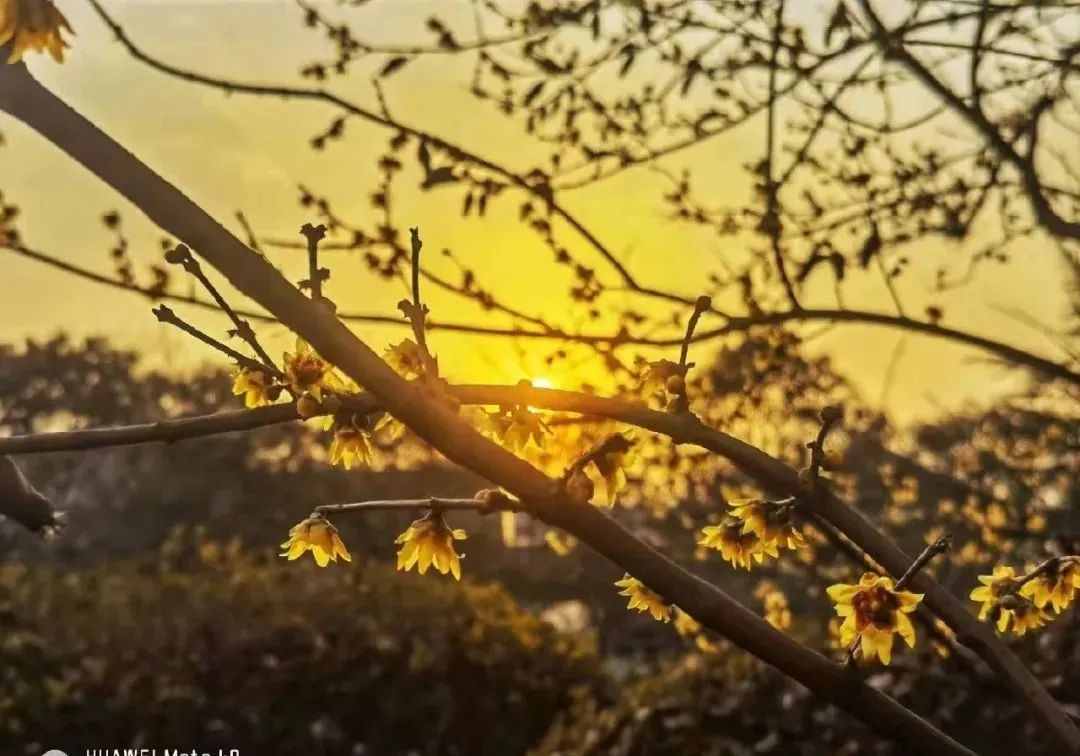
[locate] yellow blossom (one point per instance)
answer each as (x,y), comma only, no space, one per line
(1023,614)
(430,541)
(777,612)
(772,522)
(406,358)
(32,25)
(642,599)
(350,445)
(515,427)
(995,587)
(257,387)
(737,545)
(307,372)
(690,628)
(317,535)
(607,471)
(1057,586)
(874,612)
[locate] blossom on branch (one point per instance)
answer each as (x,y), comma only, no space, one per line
(35,25)
(873,613)
(642,599)
(742,547)
(317,535)
(406,358)
(350,445)
(307,372)
(257,387)
(772,521)
(1057,586)
(430,541)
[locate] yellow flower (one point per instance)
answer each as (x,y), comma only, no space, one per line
(642,599)
(736,544)
(317,535)
(1023,613)
(772,522)
(1057,587)
(307,372)
(874,612)
(994,588)
(515,427)
(350,445)
(406,358)
(690,628)
(32,25)
(777,612)
(607,471)
(257,387)
(430,541)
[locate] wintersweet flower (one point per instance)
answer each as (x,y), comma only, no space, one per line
(256,386)
(743,548)
(772,521)
(1056,586)
(317,535)
(35,25)
(994,588)
(642,599)
(306,372)
(350,445)
(430,541)
(1022,612)
(874,613)
(777,612)
(406,358)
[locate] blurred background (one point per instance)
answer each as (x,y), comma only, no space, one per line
(580,171)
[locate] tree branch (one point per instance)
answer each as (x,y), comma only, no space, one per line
(440,426)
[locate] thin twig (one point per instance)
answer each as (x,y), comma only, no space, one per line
(506,504)
(165,315)
(181,255)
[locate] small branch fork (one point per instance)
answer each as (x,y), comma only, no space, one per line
(830,417)
(316,275)
(181,255)
(702,305)
(416,311)
(165,314)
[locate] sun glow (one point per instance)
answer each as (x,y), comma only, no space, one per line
(542,383)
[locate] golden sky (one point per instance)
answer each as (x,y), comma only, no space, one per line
(237,153)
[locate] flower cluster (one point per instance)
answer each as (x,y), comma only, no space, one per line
(772,521)
(32,25)
(873,614)
(1058,586)
(736,544)
(1019,601)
